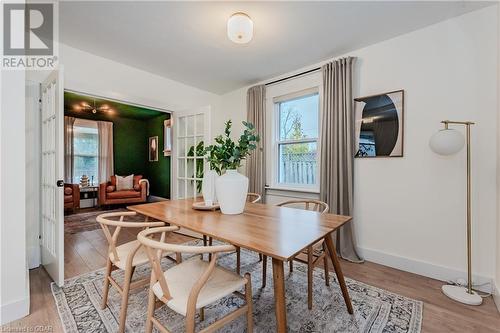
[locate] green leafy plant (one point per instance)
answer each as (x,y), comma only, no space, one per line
(226,154)
(200,151)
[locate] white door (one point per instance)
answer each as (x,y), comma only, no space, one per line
(52,187)
(191,131)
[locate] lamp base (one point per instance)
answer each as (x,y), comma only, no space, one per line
(460,294)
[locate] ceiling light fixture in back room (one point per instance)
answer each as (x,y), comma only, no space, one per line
(240,28)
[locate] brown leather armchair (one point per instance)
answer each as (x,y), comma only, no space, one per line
(108,195)
(71,196)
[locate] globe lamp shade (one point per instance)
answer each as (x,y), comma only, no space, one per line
(447,142)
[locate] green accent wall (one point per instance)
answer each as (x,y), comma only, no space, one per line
(130,144)
(159,170)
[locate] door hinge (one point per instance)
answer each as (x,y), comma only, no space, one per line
(40,239)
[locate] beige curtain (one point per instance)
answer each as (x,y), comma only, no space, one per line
(69,122)
(256,163)
(337,149)
(106,167)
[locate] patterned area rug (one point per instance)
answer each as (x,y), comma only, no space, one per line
(375,310)
(86,221)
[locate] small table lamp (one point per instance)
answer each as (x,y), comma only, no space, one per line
(448,142)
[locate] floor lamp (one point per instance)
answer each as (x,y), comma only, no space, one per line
(448,142)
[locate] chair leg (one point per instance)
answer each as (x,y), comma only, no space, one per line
(151,311)
(106,284)
(210,242)
(260,256)
(264,271)
(248,298)
(126,288)
(290,265)
(202,314)
(310,269)
(204,244)
(238,260)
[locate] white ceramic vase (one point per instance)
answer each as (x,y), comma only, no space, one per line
(208,187)
(231,189)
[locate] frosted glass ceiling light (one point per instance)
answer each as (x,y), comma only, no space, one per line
(240,28)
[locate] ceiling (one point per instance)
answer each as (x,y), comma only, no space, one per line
(116,109)
(187,42)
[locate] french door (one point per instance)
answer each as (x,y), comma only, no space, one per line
(52,184)
(191,134)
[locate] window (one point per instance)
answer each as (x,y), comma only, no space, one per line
(296,140)
(85,151)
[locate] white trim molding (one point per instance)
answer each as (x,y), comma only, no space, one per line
(442,273)
(496,295)
(14,310)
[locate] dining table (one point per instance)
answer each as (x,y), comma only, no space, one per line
(277,232)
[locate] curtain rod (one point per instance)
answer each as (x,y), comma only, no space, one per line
(293,76)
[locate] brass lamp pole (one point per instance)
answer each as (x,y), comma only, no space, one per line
(448,142)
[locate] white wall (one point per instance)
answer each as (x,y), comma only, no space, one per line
(496,290)
(33,173)
(410,211)
(91,74)
(14,281)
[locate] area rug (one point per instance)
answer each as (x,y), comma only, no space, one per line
(86,221)
(375,310)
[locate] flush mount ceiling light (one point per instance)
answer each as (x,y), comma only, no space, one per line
(240,28)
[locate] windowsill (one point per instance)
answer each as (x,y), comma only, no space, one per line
(292,189)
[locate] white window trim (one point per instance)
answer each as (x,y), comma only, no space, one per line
(295,88)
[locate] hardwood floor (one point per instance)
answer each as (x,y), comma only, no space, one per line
(86,251)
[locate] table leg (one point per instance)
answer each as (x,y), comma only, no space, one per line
(279,295)
(338,271)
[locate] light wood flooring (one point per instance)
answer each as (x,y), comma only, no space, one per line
(86,251)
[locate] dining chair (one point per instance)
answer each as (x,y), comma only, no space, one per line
(315,253)
(125,257)
(192,284)
(252,198)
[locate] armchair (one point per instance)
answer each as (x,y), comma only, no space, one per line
(108,195)
(71,196)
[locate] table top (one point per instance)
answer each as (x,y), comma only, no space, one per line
(278,232)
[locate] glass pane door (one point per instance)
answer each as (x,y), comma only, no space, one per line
(191,133)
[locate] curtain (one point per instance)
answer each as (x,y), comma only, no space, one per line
(256,164)
(105,164)
(337,150)
(69,122)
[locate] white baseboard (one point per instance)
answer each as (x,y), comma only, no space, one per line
(14,310)
(496,295)
(441,273)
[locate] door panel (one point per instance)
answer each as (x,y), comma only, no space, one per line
(52,205)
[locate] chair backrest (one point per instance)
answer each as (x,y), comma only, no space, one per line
(154,249)
(253,197)
(309,204)
(105,222)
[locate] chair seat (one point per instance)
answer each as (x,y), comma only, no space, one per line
(123,250)
(68,198)
(123,194)
(182,277)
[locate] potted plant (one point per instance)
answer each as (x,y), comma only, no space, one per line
(225,156)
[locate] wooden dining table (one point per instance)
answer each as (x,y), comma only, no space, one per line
(278,232)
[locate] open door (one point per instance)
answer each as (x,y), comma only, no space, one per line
(52,183)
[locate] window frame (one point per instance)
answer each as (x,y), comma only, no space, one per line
(276,142)
(85,123)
